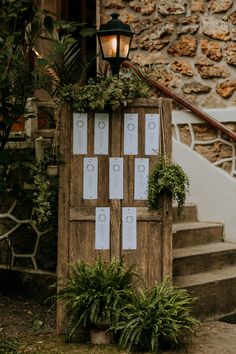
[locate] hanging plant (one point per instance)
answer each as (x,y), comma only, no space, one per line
(167,177)
(45,195)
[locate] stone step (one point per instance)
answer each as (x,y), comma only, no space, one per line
(215,291)
(195,233)
(203,258)
(189,213)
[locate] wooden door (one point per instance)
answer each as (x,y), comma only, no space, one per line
(153,254)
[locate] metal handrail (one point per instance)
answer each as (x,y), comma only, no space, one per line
(157,85)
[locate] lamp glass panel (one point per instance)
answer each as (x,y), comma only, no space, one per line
(124,46)
(109,46)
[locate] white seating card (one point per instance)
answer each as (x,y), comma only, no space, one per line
(152,128)
(80,128)
(116,178)
(131,134)
(141,179)
(129,229)
(102,229)
(90,178)
(101,133)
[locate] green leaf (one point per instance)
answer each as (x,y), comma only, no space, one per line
(88,32)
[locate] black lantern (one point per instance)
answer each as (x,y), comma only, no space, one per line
(115,40)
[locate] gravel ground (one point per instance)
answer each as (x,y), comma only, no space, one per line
(31,327)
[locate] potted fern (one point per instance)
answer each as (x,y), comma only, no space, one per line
(167,177)
(94,296)
(156,319)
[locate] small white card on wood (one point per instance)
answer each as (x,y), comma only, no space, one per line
(116,178)
(141,179)
(131,134)
(101,133)
(102,229)
(129,229)
(80,129)
(152,129)
(90,178)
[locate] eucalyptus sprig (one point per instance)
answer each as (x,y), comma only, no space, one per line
(167,177)
(107,93)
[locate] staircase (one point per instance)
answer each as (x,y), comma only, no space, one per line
(204,264)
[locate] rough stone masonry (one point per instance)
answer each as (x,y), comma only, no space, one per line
(188,45)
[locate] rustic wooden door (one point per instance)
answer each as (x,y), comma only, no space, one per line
(76,239)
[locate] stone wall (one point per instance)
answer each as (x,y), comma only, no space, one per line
(23,245)
(209,143)
(188,45)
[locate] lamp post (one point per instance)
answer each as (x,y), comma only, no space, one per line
(115,40)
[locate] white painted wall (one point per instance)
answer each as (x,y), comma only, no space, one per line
(212,189)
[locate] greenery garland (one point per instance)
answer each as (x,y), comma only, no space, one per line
(107,93)
(170,178)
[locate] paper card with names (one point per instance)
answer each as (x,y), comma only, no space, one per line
(129,229)
(131,134)
(152,129)
(101,133)
(116,183)
(80,130)
(90,178)
(141,179)
(102,229)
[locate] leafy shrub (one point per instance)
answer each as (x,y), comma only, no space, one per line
(95,294)
(107,93)
(167,177)
(156,317)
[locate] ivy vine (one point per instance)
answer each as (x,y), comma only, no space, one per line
(167,177)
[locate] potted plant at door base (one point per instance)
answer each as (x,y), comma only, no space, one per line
(157,319)
(94,296)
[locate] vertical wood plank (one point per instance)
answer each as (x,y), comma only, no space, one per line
(92,202)
(115,229)
(165,111)
(103,181)
(154,270)
(76,180)
(115,151)
(63,210)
